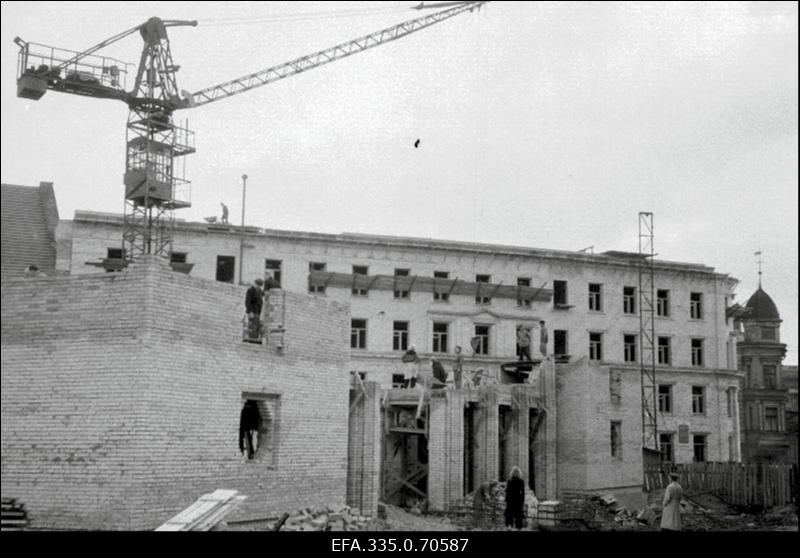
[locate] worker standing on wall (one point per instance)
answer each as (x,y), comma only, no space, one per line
(524,343)
(253,303)
(543,338)
(410,367)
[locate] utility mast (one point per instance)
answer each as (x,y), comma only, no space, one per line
(647,352)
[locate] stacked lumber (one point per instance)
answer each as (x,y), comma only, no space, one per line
(205,513)
(14,515)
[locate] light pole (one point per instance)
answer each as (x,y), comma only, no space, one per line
(241,239)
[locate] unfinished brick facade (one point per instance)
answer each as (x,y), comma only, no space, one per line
(121,396)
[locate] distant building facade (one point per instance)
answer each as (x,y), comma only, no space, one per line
(769,418)
(437,295)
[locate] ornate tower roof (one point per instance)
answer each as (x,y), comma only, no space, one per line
(762,308)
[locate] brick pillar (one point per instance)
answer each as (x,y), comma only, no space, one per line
(363,449)
(548,431)
(487,438)
(446,450)
(518,454)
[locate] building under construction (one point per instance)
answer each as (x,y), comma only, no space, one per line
(122,383)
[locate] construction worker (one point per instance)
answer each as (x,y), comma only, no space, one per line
(411,367)
(543,338)
(253,303)
(524,343)
(224,219)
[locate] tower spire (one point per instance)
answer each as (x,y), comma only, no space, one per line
(759,268)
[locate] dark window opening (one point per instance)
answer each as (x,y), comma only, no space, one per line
(595,297)
(437,294)
(226,266)
(524,282)
(481,298)
(560,342)
(177,257)
(629,348)
(560,293)
(399,292)
(440,330)
(629,300)
(316,287)
(273,267)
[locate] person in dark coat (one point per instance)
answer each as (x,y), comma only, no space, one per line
(253,303)
(515,499)
(411,364)
(249,423)
(439,372)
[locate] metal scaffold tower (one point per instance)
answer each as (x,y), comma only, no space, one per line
(647,352)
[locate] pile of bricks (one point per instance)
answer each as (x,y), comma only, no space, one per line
(323,518)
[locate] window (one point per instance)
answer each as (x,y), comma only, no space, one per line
(770,376)
(664,398)
(664,355)
(628,300)
(480,343)
(595,346)
(559,293)
(437,293)
(315,286)
(482,298)
(615,386)
(560,342)
(730,393)
(768,333)
(225,268)
(595,297)
(398,380)
(616,439)
(771,419)
(115,253)
(259,420)
(697,352)
(629,348)
(177,257)
(696,306)
(665,446)
(440,337)
(273,267)
(699,443)
(524,282)
(698,400)
(359,270)
(662,303)
(358,334)
(400,336)
(399,292)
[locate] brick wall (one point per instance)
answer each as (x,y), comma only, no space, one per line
(121,396)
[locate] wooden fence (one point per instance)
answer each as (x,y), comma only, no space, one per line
(742,484)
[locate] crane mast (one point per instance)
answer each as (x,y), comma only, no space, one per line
(154,187)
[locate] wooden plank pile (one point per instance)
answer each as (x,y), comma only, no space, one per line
(205,513)
(14,515)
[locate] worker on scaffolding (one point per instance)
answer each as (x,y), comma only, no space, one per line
(411,364)
(253,303)
(524,343)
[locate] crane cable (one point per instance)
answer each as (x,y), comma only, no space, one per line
(299,16)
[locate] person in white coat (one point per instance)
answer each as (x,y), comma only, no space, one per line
(671,514)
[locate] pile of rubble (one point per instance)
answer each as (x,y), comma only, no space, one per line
(594,512)
(321,518)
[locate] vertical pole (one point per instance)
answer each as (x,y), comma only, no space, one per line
(241,238)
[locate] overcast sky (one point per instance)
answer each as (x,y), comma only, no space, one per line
(548,125)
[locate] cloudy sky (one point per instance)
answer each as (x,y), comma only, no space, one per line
(542,124)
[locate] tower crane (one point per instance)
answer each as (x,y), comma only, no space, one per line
(154,185)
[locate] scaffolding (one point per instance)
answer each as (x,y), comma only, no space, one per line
(647,352)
